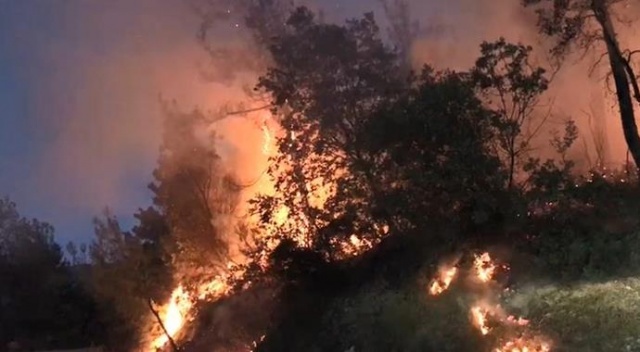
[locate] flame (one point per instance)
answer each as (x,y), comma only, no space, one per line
(180,305)
(479,318)
(484,267)
(444,279)
(524,345)
(174,317)
(517,321)
(254,344)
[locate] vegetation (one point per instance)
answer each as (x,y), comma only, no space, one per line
(383,171)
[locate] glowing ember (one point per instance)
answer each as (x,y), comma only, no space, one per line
(254,344)
(479,318)
(484,267)
(214,289)
(524,345)
(442,282)
(517,321)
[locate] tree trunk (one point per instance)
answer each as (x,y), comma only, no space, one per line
(621,79)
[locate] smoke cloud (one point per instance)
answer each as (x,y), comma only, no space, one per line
(96,71)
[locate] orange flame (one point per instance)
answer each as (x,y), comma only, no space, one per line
(179,306)
(442,282)
(524,345)
(517,321)
(174,316)
(484,267)
(479,318)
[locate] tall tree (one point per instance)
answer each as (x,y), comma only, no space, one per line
(511,86)
(325,82)
(589,24)
(435,156)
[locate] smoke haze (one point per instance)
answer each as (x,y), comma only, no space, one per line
(94,72)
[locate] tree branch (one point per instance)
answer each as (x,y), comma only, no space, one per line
(174,346)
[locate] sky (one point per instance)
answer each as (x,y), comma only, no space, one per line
(81,83)
(80,89)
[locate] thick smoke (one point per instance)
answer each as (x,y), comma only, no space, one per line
(96,81)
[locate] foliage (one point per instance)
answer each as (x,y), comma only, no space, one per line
(42,301)
(325,82)
(195,196)
(512,87)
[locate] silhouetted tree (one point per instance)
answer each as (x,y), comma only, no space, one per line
(42,300)
(587,25)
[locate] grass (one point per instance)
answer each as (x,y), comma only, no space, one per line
(585,317)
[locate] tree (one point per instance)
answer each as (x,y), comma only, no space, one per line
(325,82)
(511,86)
(403,30)
(42,301)
(118,281)
(585,24)
(435,155)
(196,196)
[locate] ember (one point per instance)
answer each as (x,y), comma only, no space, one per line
(483,269)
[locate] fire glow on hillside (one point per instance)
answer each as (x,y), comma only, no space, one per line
(484,315)
(179,309)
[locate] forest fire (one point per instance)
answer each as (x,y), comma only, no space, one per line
(175,313)
(484,267)
(483,315)
(524,345)
(444,279)
(479,317)
(180,305)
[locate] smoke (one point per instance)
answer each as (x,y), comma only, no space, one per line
(450,39)
(96,74)
(96,71)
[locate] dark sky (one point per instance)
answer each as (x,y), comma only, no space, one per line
(79,111)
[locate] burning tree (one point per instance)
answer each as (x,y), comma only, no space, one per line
(325,82)
(197,197)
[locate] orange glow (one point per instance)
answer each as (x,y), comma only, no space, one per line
(180,305)
(174,315)
(479,319)
(268,138)
(524,345)
(517,321)
(442,282)
(515,336)
(484,267)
